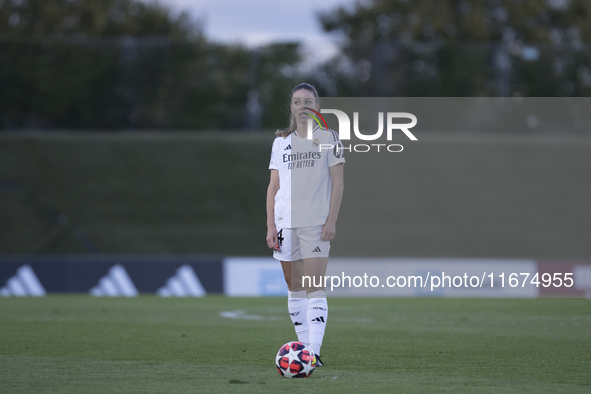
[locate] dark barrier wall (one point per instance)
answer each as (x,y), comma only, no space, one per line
(471,196)
(187,275)
(125,193)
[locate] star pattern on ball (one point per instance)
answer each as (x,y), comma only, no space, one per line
(292,355)
(307,368)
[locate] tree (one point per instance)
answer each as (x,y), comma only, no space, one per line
(125,64)
(91,18)
(464,47)
(75,63)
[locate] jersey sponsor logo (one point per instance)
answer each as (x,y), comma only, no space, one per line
(301,159)
(116,283)
(288,147)
(301,156)
(23,283)
(184,283)
(300,164)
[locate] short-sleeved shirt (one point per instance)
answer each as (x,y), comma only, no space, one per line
(303,198)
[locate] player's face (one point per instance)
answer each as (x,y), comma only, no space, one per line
(300,99)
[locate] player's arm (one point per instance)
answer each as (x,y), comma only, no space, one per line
(336,196)
(272,241)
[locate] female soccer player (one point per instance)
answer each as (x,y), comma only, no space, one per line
(303,202)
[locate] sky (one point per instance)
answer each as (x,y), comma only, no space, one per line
(257,22)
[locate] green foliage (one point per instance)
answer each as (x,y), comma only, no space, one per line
(132,65)
(531,21)
(461,48)
(126,64)
(90,18)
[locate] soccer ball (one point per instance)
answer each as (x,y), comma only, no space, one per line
(295,360)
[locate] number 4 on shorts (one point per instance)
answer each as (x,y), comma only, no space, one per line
(280,237)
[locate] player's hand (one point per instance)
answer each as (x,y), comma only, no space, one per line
(272,239)
(328,231)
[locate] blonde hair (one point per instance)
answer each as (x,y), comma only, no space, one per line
(292,120)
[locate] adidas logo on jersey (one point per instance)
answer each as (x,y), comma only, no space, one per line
(116,283)
(317,250)
(23,283)
(184,283)
(319,319)
(288,147)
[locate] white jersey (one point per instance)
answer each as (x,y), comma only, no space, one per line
(303,198)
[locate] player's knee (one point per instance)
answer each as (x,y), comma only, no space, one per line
(316,293)
(315,282)
(288,281)
(298,294)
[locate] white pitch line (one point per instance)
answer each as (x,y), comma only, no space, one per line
(241,314)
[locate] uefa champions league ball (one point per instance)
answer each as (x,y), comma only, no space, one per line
(295,360)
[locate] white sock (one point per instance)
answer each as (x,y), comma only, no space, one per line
(297,303)
(317,317)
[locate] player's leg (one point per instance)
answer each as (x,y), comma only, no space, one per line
(286,267)
(297,302)
(315,268)
(315,253)
(284,254)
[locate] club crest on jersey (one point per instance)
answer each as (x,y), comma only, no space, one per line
(315,143)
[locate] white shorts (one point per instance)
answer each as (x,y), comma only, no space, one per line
(301,243)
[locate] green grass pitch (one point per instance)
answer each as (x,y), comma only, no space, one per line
(80,344)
